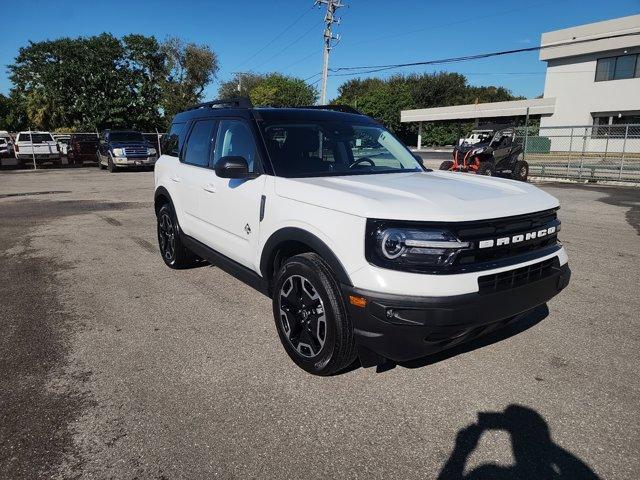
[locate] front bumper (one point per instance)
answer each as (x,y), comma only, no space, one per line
(402,328)
(134,161)
(38,156)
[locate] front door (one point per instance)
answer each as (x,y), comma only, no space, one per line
(190,174)
(231,207)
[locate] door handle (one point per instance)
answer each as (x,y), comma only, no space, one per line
(175,179)
(209,188)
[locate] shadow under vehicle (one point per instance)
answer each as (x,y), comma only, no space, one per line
(490,152)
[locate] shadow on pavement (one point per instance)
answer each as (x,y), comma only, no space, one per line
(535,454)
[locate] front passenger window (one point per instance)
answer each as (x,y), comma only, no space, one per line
(235,139)
(197,148)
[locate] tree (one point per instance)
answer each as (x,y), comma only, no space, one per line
(91,83)
(190,69)
(272,89)
(385,98)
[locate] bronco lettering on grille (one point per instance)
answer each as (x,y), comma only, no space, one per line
(521,237)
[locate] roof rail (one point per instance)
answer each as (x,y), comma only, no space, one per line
(336,108)
(239,102)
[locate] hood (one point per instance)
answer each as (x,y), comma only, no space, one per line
(422,196)
(465,147)
(133,143)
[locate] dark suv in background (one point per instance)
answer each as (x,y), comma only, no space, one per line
(82,147)
(125,148)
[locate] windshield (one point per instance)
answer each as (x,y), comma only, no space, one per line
(126,137)
(35,137)
(318,148)
(85,137)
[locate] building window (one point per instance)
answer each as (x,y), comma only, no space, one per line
(617,68)
(615,126)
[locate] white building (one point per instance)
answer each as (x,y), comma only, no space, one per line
(592,78)
(593,82)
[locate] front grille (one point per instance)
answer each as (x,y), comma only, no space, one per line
(135,151)
(476,231)
(520,276)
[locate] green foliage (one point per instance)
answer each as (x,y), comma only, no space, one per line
(189,69)
(273,89)
(91,83)
(384,99)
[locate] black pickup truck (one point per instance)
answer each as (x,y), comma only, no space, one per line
(82,147)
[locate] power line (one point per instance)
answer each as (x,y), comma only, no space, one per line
(307,32)
(378,68)
(291,25)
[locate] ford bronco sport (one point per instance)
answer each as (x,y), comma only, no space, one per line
(364,253)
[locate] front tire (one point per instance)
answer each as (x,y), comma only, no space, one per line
(173,251)
(521,171)
(446,165)
(310,316)
(110,166)
(100,166)
(486,168)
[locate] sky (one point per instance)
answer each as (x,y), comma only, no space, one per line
(286,35)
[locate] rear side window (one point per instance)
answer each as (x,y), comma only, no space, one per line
(35,137)
(172,141)
(196,151)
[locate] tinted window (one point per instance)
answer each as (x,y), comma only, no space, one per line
(172,142)
(324,148)
(625,67)
(35,137)
(197,148)
(125,137)
(617,68)
(235,139)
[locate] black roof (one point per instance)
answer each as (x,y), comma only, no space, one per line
(239,108)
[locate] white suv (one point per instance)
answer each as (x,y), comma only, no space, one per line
(365,253)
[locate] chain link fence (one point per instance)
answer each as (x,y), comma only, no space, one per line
(591,152)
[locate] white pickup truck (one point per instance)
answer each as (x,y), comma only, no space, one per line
(37,146)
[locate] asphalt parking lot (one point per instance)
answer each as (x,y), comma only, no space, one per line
(114,366)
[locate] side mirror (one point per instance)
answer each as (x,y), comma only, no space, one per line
(418,158)
(233,167)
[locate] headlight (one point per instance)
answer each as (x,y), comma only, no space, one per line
(151,151)
(118,152)
(478,150)
(416,247)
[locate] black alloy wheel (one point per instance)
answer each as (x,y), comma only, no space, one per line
(310,315)
(166,237)
(173,251)
(302,316)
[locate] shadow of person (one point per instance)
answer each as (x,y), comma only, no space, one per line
(535,454)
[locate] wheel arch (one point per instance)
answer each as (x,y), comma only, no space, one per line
(290,241)
(160,197)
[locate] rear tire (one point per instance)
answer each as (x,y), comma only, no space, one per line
(310,316)
(446,165)
(173,251)
(486,168)
(521,171)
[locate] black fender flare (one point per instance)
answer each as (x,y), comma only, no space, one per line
(302,236)
(161,192)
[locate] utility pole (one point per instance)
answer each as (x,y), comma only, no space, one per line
(328,38)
